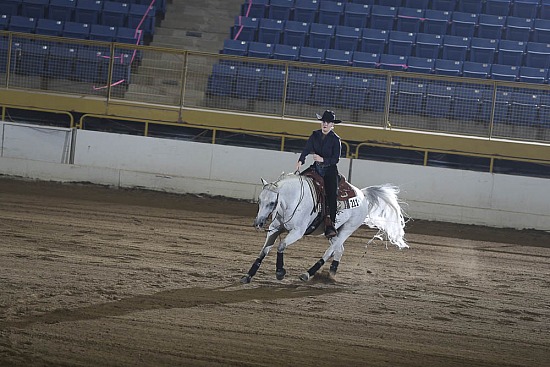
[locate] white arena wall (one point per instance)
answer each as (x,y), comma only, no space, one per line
(431,193)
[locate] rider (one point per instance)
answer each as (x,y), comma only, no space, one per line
(326,148)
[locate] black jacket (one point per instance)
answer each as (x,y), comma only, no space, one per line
(329,148)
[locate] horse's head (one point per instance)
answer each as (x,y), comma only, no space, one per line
(267,202)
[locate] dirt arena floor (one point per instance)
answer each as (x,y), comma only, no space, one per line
(91,276)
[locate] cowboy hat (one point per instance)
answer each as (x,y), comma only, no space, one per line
(328,116)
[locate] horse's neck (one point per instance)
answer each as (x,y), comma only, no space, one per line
(293,190)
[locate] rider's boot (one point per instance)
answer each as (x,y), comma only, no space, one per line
(330,230)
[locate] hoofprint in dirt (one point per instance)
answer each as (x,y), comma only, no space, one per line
(95,276)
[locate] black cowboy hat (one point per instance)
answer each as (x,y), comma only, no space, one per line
(328,116)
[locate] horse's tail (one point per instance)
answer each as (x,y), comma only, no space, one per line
(385,213)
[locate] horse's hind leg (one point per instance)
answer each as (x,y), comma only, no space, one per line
(269,241)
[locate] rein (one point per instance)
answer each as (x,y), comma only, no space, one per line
(297,205)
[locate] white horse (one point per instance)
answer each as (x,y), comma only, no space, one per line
(291,203)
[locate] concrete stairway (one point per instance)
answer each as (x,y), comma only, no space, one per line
(195,25)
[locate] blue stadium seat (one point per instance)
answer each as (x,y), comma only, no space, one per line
(382,17)
(448,67)
(356,15)
(365,59)
(4,22)
(115,14)
(502,106)
(127,35)
(472,69)
(463,24)
(498,7)
(320,35)
(76,30)
(439,99)
(428,45)
(305,10)
(483,50)
(247,85)
(537,55)
(327,90)
(61,61)
(396,3)
(235,47)
(245,29)
(490,26)
(469,6)
(420,65)
(33,58)
(312,55)
(374,40)
(541,30)
(533,75)
(393,62)
(330,12)
(525,8)
(222,80)
(504,72)
(338,57)
(34,8)
(401,43)
(49,27)
(409,20)
(544,11)
(141,16)
(260,49)
(295,33)
(300,86)
(523,107)
(420,4)
(410,97)
(511,52)
(518,29)
(377,93)
(88,11)
(446,5)
(544,110)
(270,30)
(286,52)
(355,89)
(280,9)
(22,24)
(272,85)
(254,8)
(100,32)
(10,7)
(61,10)
(347,38)
(121,68)
(468,102)
(455,48)
(88,66)
(436,21)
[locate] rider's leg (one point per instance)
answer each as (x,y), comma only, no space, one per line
(331,187)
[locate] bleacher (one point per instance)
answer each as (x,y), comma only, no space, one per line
(477,34)
(129,22)
(501,40)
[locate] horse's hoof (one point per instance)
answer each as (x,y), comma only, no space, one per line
(332,273)
(280,274)
(304,277)
(246,279)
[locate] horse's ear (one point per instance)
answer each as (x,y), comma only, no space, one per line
(264,182)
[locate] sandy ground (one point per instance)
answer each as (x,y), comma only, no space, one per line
(91,276)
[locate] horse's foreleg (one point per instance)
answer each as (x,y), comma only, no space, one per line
(269,241)
(292,236)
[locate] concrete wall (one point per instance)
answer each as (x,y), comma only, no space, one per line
(186,167)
